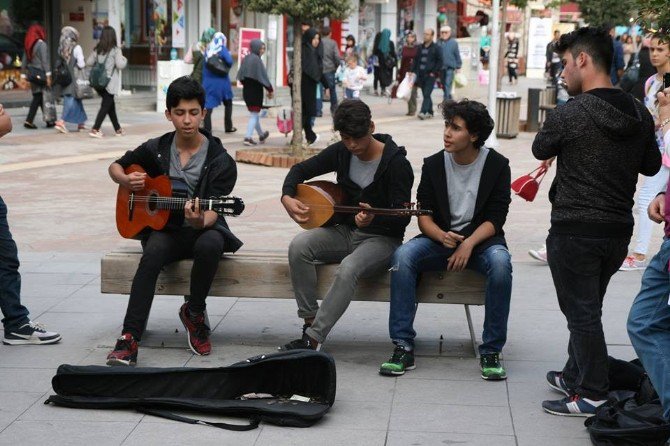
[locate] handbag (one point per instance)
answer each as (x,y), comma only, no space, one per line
(217,66)
(526,186)
(61,73)
(82,85)
(631,75)
(405,88)
(37,76)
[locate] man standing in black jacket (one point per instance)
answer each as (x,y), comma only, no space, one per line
(603,138)
(427,67)
(198,161)
(373,172)
(467,186)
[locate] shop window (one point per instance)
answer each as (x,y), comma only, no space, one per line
(15,18)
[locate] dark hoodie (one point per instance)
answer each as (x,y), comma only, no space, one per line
(391,187)
(217,177)
(601,149)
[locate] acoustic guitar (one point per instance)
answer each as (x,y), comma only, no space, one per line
(152,206)
(325,198)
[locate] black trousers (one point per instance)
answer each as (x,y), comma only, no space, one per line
(310,136)
(227,118)
(34,105)
(107,107)
(582,268)
(162,247)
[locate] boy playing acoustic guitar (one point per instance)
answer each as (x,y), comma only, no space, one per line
(373,172)
(197,160)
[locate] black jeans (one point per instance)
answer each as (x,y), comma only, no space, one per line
(107,107)
(227,118)
(310,136)
(581,268)
(34,105)
(163,247)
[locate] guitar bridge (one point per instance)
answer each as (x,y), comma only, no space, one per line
(131,206)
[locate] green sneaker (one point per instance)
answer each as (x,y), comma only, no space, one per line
(492,370)
(400,361)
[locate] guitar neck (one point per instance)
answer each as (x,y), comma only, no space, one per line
(170,203)
(378,211)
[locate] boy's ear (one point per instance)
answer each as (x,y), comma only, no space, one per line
(168,115)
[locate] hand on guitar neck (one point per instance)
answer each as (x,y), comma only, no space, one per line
(363,218)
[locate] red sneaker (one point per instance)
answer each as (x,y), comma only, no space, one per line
(125,351)
(198,331)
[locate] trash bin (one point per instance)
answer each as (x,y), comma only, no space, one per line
(508,109)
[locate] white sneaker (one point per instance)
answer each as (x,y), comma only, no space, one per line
(631,263)
(540,254)
(31,333)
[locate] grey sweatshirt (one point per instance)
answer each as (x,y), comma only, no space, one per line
(601,149)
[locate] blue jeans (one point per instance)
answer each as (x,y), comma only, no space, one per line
(427,86)
(351,94)
(254,123)
(332,87)
(649,324)
(423,254)
(447,81)
(15,314)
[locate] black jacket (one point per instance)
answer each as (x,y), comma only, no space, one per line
(433,63)
(217,178)
(600,151)
(493,196)
(391,187)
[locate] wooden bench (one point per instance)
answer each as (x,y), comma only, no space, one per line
(266,275)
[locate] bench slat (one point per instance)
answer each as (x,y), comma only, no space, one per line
(267,276)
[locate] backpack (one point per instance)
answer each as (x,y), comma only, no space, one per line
(61,73)
(294,388)
(98,76)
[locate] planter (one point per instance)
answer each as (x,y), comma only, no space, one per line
(272,156)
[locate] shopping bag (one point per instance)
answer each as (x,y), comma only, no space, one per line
(285,121)
(405,88)
(82,85)
(48,105)
(460,80)
(526,186)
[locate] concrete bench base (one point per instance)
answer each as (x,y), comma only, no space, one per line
(266,275)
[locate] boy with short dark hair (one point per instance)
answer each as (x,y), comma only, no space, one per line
(373,172)
(467,186)
(200,163)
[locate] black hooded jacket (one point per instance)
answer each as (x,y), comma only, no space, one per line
(391,187)
(217,178)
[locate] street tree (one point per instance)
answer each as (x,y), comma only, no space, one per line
(300,11)
(654,15)
(608,12)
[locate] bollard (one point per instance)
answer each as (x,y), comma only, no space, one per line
(532,118)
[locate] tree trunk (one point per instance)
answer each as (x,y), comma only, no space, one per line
(296,140)
(502,60)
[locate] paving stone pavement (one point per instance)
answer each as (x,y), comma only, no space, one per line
(61,212)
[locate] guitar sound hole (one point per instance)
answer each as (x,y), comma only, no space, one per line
(152,204)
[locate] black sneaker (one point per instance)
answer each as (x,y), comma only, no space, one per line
(492,369)
(401,360)
(264,136)
(556,382)
(32,333)
(572,406)
(125,351)
(304,343)
(249,142)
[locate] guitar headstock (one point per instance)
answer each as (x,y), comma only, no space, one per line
(232,206)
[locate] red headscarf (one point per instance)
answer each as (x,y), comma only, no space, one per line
(35,33)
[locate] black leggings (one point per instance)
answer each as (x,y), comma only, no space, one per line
(107,107)
(34,105)
(163,247)
(227,118)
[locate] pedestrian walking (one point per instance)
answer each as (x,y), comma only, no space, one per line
(312,73)
(451,59)
(110,55)
(354,78)
(384,51)
(427,67)
(331,62)
(38,72)
(512,57)
(196,54)
(602,140)
(254,79)
(72,55)
(407,56)
(217,86)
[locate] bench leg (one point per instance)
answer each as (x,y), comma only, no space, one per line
(473,338)
(186,298)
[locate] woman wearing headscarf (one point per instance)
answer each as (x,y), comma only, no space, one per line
(195,54)
(37,56)
(386,57)
(409,51)
(72,54)
(254,78)
(111,55)
(217,87)
(312,73)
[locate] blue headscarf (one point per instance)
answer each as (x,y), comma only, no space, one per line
(385,41)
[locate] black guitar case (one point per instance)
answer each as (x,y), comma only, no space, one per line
(294,388)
